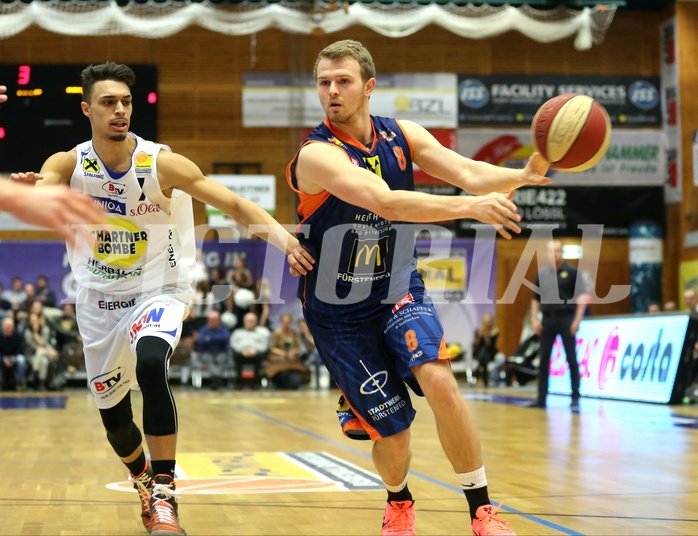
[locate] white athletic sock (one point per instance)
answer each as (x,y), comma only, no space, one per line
(473,479)
(398,488)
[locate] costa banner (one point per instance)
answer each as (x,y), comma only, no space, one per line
(630,358)
(512,100)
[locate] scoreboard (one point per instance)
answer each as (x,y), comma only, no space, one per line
(43,116)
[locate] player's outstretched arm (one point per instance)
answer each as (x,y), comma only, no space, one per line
(176,171)
(473,176)
(52,207)
(57,169)
(324,167)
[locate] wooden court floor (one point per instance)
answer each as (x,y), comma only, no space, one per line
(268,463)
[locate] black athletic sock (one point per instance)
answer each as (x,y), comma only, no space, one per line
(402,495)
(163,467)
(137,466)
(476,498)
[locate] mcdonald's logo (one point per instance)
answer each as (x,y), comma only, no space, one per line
(368,257)
(368,250)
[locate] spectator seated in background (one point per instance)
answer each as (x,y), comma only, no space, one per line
(670,306)
(25,306)
(212,344)
(690,300)
(5,305)
(522,366)
(13,364)
(43,293)
(654,308)
(250,344)
(284,367)
(15,295)
(239,275)
(310,356)
(261,306)
(40,351)
(68,340)
(221,290)
(485,347)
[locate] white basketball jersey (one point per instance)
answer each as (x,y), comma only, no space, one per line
(148,244)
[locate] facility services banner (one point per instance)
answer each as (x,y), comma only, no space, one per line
(512,100)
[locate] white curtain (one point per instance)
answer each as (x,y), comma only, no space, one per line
(161,19)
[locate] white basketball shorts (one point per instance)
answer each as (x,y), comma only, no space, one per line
(111,327)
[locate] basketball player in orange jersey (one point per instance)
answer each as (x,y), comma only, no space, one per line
(54,208)
(135,275)
(365,302)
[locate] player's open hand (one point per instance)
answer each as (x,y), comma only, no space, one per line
(30,178)
(301,261)
(535,170)
(57,208)
(498,210)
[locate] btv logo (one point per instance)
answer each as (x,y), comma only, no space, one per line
(105,382)
(115,188)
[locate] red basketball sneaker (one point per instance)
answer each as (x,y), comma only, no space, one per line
(398,519)
(163,508)
(143,484)
(487,523)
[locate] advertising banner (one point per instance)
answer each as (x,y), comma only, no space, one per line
(448,267)
(671,112)
(277,99)
(628,358)
(513,100)
(634,157)
(260,189)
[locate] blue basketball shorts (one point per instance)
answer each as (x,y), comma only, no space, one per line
(370,360)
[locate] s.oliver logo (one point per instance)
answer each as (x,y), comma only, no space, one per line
(106,382)
(144,208)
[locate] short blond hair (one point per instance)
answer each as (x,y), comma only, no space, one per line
(348,48)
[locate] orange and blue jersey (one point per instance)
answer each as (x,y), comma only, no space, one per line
(360,255)
(365,302)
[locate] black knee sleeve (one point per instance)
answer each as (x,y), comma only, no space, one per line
(159,410)
(122,433)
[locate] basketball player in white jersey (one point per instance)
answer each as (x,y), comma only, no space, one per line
(134,275)
(53,208)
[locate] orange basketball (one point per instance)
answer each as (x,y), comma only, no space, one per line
(571,131)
